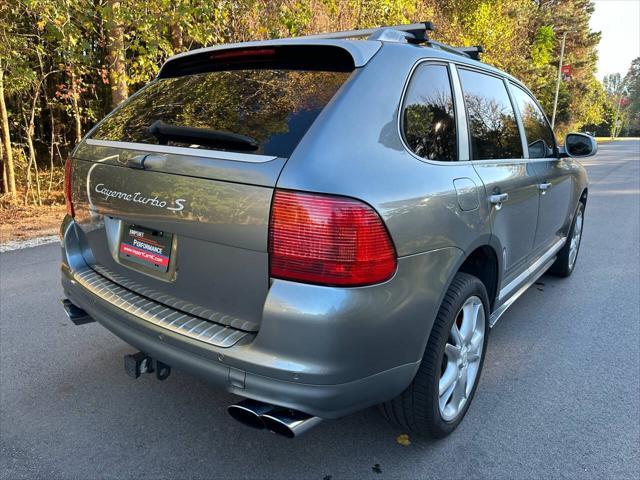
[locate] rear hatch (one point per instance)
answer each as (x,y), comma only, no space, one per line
(172,191)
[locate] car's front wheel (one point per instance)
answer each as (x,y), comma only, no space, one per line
(446,381)
(566,260)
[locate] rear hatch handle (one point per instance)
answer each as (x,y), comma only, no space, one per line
(140,161)
(137,161)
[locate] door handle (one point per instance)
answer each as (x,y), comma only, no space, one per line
(544,187)
(497,199)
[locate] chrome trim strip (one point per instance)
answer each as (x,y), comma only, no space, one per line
(522,278)
(191,152)
(495,316)
(157,313)
(174,303)
(176,319)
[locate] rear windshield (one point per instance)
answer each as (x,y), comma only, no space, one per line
(270,109)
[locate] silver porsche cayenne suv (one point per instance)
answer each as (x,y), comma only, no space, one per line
(321,224)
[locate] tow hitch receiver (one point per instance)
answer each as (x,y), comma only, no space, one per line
(138,363)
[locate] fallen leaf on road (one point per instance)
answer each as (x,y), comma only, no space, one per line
(403,440)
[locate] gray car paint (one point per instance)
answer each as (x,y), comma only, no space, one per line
(324,350)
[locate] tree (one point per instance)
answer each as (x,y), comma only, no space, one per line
(632,82)
(66,63)
(116,53)
(8,168)
(614,86)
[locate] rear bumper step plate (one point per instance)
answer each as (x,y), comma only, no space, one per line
(158,313)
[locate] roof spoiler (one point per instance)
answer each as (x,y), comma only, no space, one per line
(415,33)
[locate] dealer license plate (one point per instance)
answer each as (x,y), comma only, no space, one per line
(146,247)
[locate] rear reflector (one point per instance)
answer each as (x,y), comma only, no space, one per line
(67,187)
(328,240)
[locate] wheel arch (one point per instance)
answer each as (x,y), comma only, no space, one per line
(483,263)
(483,260)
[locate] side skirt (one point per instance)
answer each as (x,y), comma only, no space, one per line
(525,280)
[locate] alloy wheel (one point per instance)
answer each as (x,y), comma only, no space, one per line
(462,355)
(575,239)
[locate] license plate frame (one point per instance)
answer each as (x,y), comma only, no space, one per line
(145,247)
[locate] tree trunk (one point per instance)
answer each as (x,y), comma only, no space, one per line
(4,188)
(76,109)
(29,131)
(176,37)
(52,146)
(116,55)
(6,142)
(30,127)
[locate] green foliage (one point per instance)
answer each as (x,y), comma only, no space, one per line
(542,48)
(55,53)
(295,18)
(632,82)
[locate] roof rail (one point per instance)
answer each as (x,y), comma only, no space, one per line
(473,52)
(417,30)
(470,52)
(415,33)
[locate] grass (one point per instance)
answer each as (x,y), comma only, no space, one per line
(601,140)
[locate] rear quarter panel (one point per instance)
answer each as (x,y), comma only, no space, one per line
(355,150)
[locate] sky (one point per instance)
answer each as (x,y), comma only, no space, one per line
(619,22)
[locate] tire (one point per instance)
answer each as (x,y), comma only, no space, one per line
(565,262)
(418,408)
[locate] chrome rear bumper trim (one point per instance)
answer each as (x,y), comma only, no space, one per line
(176,303)
(158,314)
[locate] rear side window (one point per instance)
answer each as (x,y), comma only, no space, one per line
(540,140)
(493,129)
(428,122)
(259,110)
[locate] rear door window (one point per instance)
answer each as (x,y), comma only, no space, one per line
(257,110)
(541,142)
(493,129)
(428,122)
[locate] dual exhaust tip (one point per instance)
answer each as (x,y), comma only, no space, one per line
(279,420)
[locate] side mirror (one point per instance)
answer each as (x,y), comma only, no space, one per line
(537,149)
(579,145)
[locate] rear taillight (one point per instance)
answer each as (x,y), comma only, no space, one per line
(67,187)
(328,240)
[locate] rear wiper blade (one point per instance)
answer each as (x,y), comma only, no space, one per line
(165,132)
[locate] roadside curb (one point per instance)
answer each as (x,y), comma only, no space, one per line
(32,242)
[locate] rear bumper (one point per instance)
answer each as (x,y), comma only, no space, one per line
(327,401)
(319,350)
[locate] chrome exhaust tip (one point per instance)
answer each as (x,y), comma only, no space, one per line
(288,423)
(77,315)
(248,412)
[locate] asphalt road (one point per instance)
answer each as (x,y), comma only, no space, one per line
(559,396)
